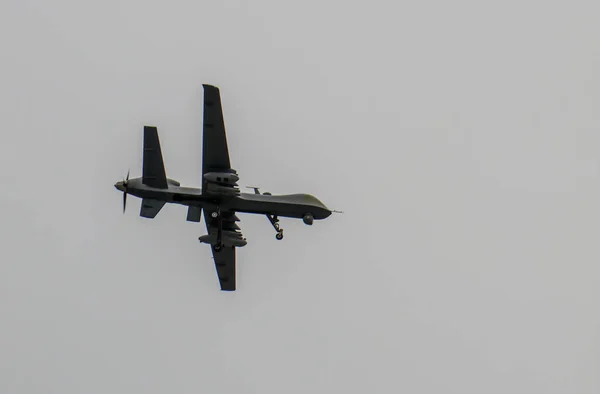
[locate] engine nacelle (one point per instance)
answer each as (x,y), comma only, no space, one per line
(227,178)
(308,219)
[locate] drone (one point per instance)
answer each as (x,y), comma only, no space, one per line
(219,197)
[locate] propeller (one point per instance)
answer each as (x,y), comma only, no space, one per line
(125,181)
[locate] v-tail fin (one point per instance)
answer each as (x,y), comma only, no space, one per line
(153,169)
(150,208)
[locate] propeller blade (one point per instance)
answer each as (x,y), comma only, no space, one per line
(127,176)
(124,200)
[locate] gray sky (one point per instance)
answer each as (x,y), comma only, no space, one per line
(460,138)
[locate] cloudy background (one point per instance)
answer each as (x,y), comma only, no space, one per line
(460,138)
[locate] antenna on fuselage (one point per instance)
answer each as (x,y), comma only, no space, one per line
(255,189)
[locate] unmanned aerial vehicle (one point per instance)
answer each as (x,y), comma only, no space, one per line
(220,197)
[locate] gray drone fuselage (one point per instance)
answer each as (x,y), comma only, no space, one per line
(287,205)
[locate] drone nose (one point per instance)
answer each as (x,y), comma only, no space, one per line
(119,186)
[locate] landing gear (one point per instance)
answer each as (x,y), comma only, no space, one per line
(275,223)
(215,214)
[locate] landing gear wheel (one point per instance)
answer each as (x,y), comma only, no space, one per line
(214,214)
(279,235)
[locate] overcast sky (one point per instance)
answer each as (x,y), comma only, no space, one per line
(460,138)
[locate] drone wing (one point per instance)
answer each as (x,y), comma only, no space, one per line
(225,257)
(215,154)
(225,265)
